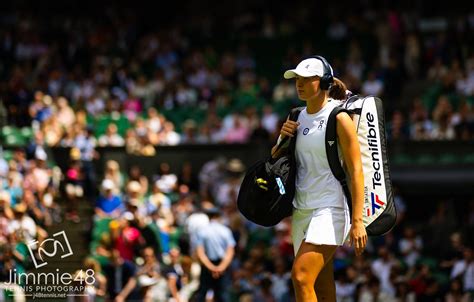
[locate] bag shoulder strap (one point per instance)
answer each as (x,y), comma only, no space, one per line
(332,152)
(295,113)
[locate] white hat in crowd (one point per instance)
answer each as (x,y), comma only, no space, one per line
(108,184)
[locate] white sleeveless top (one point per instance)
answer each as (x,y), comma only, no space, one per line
(316,186)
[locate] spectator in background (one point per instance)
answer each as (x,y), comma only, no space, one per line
(463,269)
(148,278)
(421,126)
(135,174)
(118,273)
(174,274)
(374,292)
(188,177)
(111,137)
(125,237)
(14,188)
(154,121)
(238,132)
(166,180)
(410,246)
(270,119)
(108,203)
(437,71)
(86,143)
(456,293)
(211,176)
(161,203)
(463,121)
(24,224)
(229,189)
(382,268)
(112,172)
(190,135)
(280,279)
(412,55)
(397,129)
(65,114)
(215,250)
(443,129)
(190,279)
(169,136)
(74,185)
(372,86)
(283,91)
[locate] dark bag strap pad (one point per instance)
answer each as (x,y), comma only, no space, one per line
(332,153)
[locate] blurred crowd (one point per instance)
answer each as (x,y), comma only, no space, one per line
(82,82)
(146,234)
(148,85)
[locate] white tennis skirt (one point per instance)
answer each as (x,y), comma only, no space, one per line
(321,226)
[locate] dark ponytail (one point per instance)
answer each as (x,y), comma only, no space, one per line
(338,90)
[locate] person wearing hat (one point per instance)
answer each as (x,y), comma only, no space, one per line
(108,204)
(23,223)
(149,278)
(321,218)
(215,250)
(227,192)
(74,185)
(5,204)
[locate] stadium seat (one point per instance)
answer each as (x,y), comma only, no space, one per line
(27,133)
(426,159)
(7,155)
(468,159)
(7,130)
(449,158)
(15,139)
(101,226)
(402,159)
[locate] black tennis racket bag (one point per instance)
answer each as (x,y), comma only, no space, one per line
(267,190)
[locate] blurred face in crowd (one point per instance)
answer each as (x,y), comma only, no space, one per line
(116,259)
(174,255)
(307,88)
(149,255)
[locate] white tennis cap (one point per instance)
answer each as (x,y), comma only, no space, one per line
(307,68)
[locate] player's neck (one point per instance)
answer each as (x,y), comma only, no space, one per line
(316,103)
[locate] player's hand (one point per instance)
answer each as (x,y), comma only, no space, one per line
(289,128)
(358,237)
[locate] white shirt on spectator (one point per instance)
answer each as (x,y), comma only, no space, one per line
(114,140)
(382,270)
(270,122)
(280,285)
(345,291)
(172,138)
(26,225)
(411,247)
(374,87)
(461,267)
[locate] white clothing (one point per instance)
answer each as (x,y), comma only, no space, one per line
(316,186)
(322,226)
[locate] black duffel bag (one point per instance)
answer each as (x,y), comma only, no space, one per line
(267,190)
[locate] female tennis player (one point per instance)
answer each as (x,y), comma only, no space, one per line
(321,218)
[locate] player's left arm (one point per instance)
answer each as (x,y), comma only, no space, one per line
(351,153)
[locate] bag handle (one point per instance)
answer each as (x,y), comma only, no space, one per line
(293,116)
